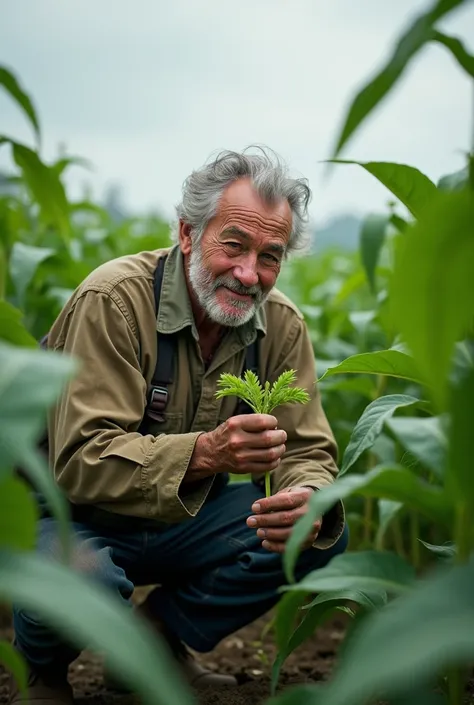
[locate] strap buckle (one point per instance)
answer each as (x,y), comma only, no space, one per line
(158,399)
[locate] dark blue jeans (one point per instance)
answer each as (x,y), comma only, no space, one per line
(214,576)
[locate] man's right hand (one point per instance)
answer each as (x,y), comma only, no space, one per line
(248,443)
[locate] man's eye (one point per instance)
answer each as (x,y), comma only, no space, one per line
(270,258)
(233,245)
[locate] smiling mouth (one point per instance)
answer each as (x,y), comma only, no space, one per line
(237,295)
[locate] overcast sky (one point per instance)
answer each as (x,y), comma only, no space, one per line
(148,90)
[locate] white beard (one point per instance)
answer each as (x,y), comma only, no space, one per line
(205,287)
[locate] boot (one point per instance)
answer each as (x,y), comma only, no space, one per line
(196,675)
(44,688)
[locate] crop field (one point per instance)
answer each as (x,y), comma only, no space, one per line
(391,620)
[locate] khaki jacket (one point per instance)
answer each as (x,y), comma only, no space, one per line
(109,325)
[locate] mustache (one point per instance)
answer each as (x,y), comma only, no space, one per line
(234,285)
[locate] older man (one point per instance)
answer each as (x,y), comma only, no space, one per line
(147,477)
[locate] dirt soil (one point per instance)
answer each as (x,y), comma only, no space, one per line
(248,654)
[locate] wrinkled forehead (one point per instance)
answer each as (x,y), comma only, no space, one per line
(241,201)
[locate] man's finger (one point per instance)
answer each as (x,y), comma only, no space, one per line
(281,501)
(276,519)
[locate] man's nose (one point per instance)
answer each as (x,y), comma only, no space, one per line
(246,273)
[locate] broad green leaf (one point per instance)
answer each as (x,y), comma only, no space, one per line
(11,85)
(359,385)
(457,49)
(12,329)
(392,363)
(459,480)
(408,184)
(432,297)
(425,438)
(367,600)
(18,515)
(86,613)
(422,632)
(371,424)
(372,237)
(367,571)
(45,186)
(411,41)
(395,483)
(24,261)
(10,658)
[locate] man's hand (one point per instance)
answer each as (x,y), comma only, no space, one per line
(248,443)
(275,516)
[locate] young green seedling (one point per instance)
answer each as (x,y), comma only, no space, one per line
(262,400)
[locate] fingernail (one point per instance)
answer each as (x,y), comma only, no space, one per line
(265,544)
(252,521)
(256,507)
(261,533)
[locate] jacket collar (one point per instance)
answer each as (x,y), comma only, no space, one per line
(175,312)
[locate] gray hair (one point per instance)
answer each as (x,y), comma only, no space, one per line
(203,189)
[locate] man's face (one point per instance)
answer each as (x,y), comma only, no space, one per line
(237,261)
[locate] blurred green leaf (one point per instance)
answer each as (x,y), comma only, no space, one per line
(395,483)
(411,41)
(24,261)
(372,236)
(459,479)
(422,632)
(388,510)
(12,329)
(83,611)
(62,164)
(45,186)
(431,288)
(408,184)
(10,658)
(13,88)
(18,515)
(370,425)
(457,49)
(393,363)
(447,550)
(425,438)
(30,382)
(456,181)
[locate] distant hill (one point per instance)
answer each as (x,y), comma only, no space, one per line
(341,231)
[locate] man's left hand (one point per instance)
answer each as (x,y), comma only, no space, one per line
(275,516)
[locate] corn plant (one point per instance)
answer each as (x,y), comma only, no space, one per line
(262,399)
(412,633)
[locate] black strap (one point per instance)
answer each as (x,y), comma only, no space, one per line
(158,394)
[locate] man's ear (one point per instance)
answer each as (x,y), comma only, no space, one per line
(184,237)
